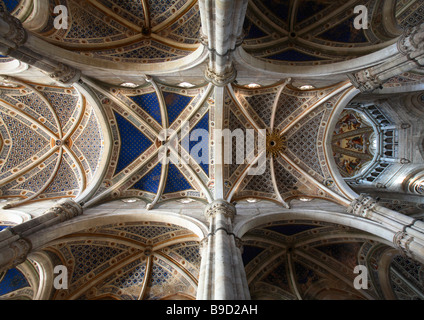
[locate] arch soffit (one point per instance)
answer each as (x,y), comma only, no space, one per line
(87,221)
(380,232)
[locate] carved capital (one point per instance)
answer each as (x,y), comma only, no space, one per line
(411,45)
(365,81)
(12,33)
(362,206)
(66,74)
(220,207)
(412,40)
(401,241)
(221,80)
(66,210)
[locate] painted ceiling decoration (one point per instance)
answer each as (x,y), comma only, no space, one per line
(140,154)
(129,261)
(144,119)
(52,142)
(355,143)
(315,32)
(298,119)
(125,31)
(284,260)
(118,261)
(409,13)
(402,269)
(410,79)
(15,285)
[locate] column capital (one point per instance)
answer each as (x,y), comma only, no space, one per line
(12,33)
(65,74)
(362,205)
(15,251)
(221,80)
(412,40)
(220,206)
(401,241)
(66,210)
(365,81)
(411,55)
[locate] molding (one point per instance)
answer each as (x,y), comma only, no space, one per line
(220,207)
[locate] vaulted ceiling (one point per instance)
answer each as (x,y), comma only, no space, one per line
(51,141)
(315,32)
(118,261)
(103,140)
(126,31)
(311,260)
(141,124)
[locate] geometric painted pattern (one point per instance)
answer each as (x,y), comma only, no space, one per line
(301,264)
(286,34)
(138,118)
(12,280)
(133,143)
(300,117)
(112,30)
(52,142)
(149,267)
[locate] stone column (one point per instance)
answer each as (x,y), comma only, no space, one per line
(408,232)
(411,55)
(222,33)
(15,244)
(12,33)
(222,274)
(13,43)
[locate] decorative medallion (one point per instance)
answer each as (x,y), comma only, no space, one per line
(275,143)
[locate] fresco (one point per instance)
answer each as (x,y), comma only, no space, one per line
(353,143)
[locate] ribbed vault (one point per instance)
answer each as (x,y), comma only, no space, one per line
(120,31)
(312,260)
(129,261)
(124,109)
(52,141)
(318,32)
